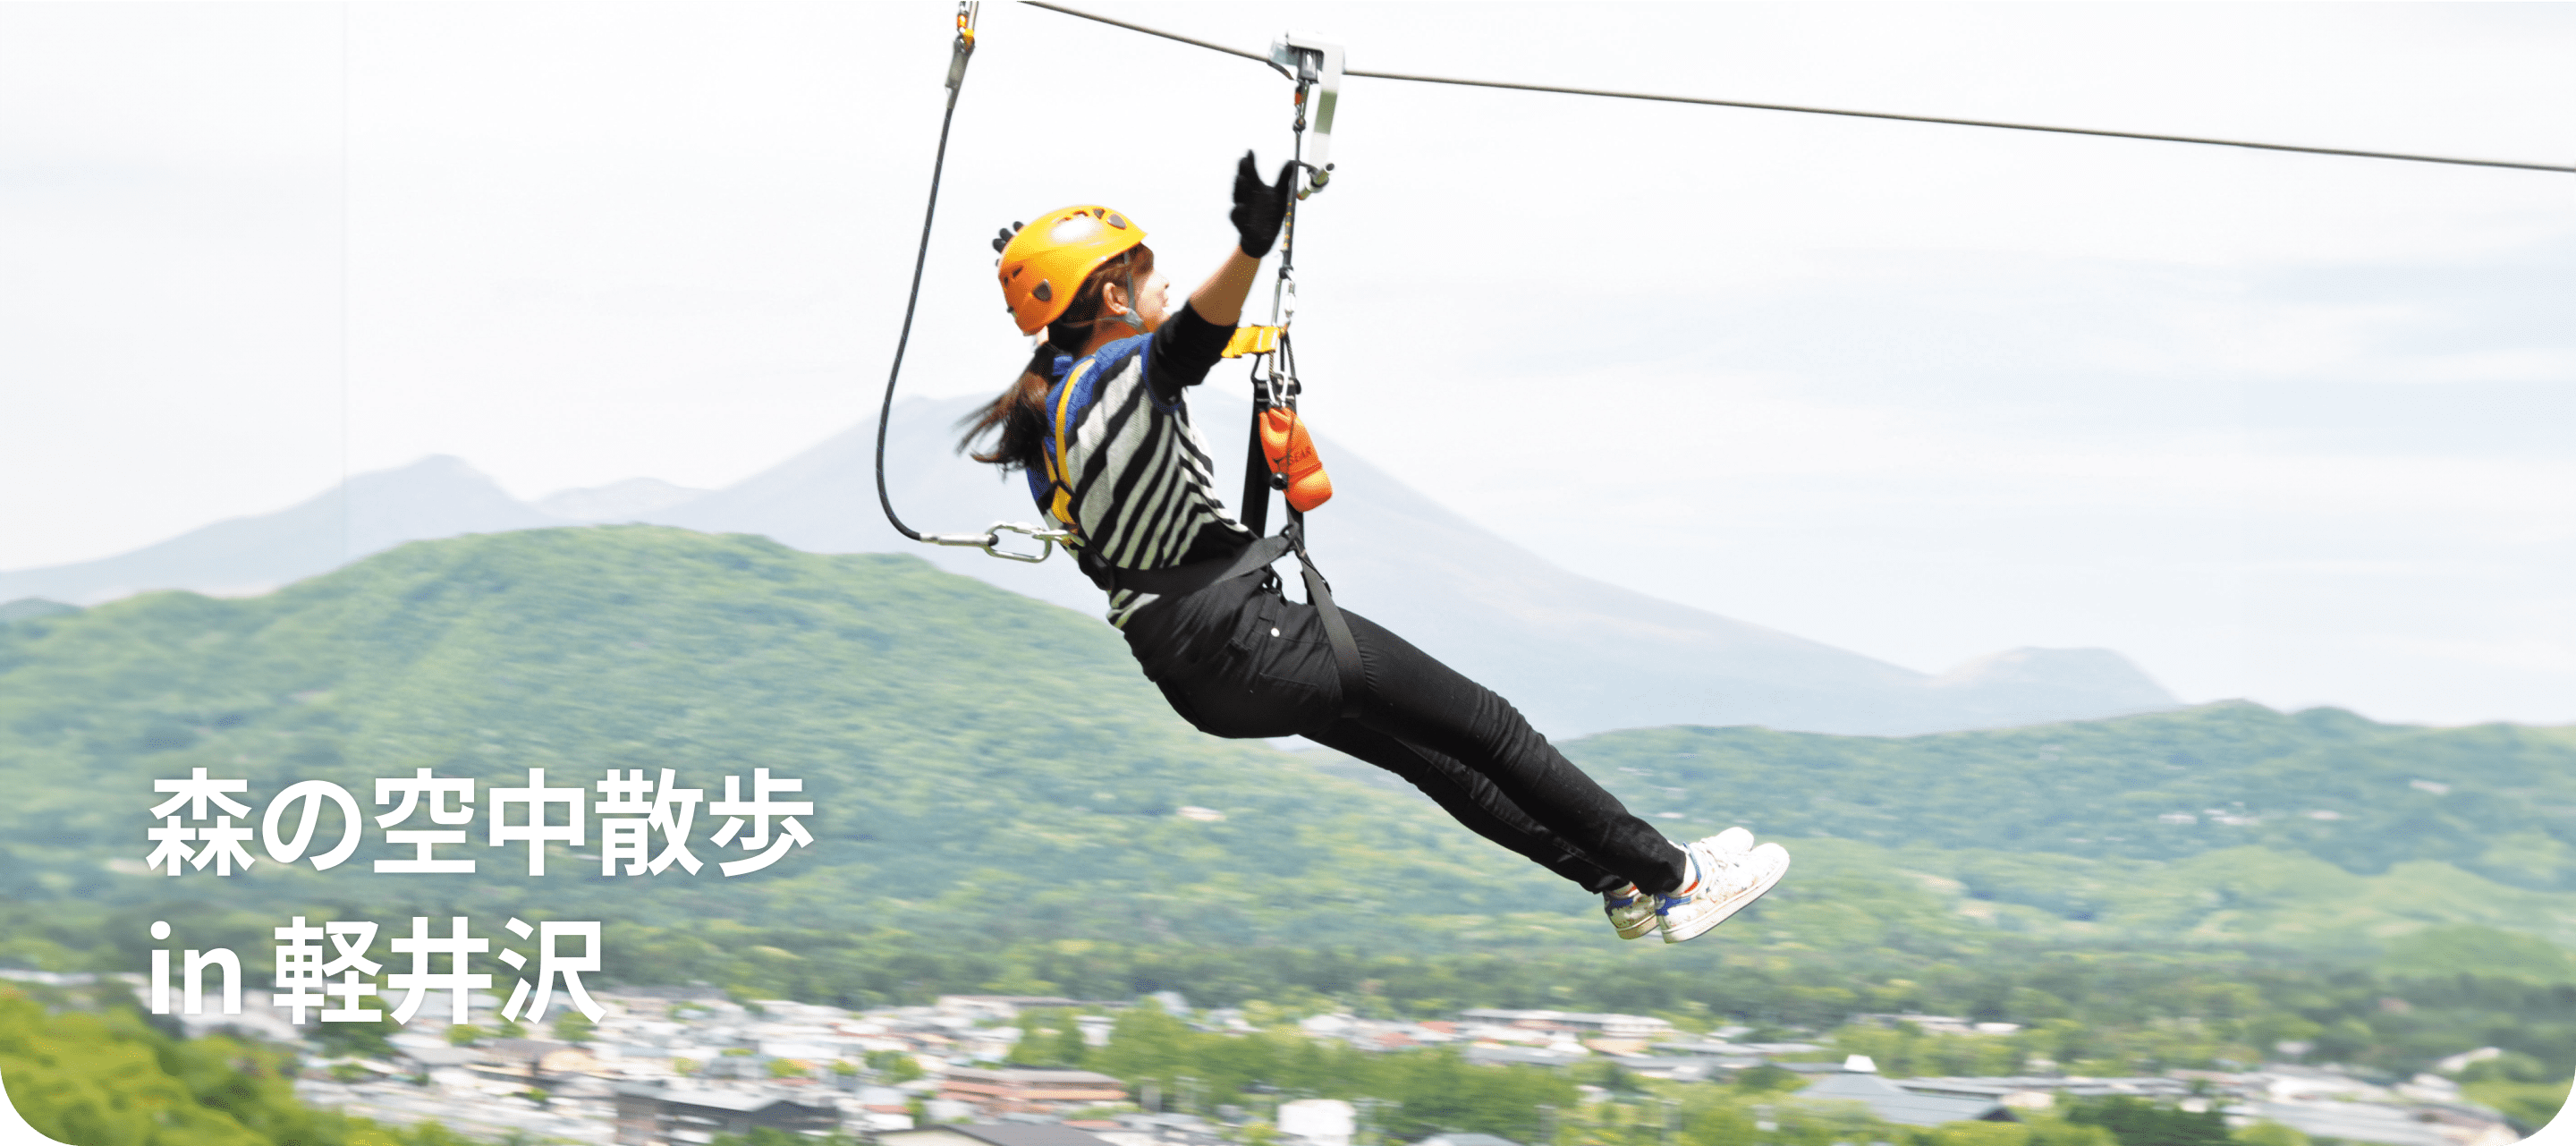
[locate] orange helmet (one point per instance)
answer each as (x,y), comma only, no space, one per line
(1047,260)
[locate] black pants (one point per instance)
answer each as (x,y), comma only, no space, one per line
(1237,659)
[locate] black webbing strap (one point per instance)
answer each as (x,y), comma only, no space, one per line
(1319,593)
(1182,580)
(1256,474)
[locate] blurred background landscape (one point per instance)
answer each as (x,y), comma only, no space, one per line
(1004,806)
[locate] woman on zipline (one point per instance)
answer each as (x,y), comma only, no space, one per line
(1098,423)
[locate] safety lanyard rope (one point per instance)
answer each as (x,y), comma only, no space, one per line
(990,540)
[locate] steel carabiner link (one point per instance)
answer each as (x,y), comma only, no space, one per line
(963,47)
(1047,540)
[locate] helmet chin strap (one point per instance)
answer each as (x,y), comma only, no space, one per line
(1134,320)
(1127,267)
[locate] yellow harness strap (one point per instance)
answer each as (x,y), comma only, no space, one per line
(1251,340)
(1059,468)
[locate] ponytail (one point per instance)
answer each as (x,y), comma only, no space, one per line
(1019,414)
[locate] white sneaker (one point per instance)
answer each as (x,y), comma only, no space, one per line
(1727,882)
(1633,913)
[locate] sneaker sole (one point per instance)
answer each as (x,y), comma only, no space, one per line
(1727,909)
(1652,924)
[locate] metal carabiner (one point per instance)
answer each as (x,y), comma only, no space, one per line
(1283,299)
(963,47)
(990,540)
(1047,540)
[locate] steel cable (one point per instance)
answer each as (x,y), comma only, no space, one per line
(1802,110)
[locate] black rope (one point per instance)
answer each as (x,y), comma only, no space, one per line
(919,259)
(1603,93)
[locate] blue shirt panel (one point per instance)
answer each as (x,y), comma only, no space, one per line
(1107,362)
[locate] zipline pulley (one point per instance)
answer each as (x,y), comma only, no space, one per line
(1315,66)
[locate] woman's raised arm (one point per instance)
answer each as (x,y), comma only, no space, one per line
(1258,210)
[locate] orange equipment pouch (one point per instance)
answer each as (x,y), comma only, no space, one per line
(1291,454)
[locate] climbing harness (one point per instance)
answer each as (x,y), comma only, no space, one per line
(1039,280)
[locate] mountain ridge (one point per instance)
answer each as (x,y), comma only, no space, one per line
(1575,654)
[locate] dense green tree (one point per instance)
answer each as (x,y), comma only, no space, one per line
(2270,1134)
(574,1027)
(894,1065)
(2138,1122)
(112,1079)
(1049,1038)
(366,1040)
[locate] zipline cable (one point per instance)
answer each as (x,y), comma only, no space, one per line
(2000,124)
(989,540)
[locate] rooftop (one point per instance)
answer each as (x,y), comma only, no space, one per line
(1008,1133)
(1028,1076)
(734,1100)
(1896,1104)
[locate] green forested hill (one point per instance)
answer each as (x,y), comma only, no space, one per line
(2498,800)
(994,768)
(954,739)
(2228,822)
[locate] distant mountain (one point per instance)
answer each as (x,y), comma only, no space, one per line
(2029,686)
(628,500)
(1576,655)
(431,498)
(31,608)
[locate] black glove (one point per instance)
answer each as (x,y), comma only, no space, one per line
(1259,207)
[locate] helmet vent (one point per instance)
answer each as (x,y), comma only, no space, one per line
(1043,293)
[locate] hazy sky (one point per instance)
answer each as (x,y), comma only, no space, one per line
(2288,427)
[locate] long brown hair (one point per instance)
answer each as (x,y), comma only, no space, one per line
(1020,413)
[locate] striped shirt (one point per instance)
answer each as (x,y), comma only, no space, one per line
(1137,483)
